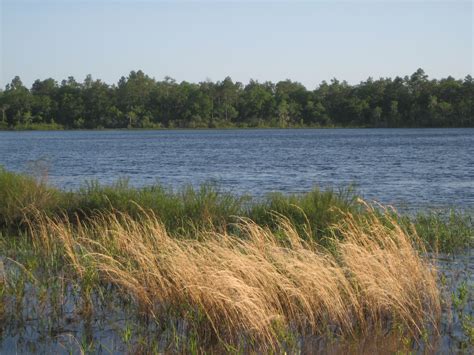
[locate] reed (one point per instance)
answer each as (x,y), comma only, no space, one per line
(253,287)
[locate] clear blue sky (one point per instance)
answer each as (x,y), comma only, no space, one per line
(269,40)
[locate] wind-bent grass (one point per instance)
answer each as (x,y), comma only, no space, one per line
(249,287)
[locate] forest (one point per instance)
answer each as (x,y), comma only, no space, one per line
(140,101)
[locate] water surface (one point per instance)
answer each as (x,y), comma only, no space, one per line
(419,167)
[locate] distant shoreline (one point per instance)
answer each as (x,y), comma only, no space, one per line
(49,129)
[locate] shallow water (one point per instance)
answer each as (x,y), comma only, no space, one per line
(416,167)
(62,326)
(457,274)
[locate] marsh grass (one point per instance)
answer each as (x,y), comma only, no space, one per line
(290,269)
(257,287)
(446,231)
(187,210)
(20,193)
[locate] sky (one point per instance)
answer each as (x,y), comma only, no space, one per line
(305,41)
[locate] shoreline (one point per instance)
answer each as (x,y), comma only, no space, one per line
(223,129)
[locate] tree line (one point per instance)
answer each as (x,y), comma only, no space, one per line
(140,101)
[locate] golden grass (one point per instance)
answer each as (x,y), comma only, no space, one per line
(259,283)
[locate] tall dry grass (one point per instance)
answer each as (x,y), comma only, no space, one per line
(257,284)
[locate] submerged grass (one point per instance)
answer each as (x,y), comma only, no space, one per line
(254,288)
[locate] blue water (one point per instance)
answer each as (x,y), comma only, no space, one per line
(417,167)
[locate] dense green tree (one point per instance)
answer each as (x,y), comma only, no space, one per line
(139,101)
(44,103)
(226,96)
(70,104)
(16,103)
(133,97)
(257,105)
(98,105)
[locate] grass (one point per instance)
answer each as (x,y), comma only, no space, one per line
(446,231)
(213,271)
(187,210)
(254,288)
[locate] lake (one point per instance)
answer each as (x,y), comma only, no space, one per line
(404,167)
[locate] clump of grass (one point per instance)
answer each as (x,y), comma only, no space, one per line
(316,209)
(449,231)
(248,289)
(184,209)
(21,193)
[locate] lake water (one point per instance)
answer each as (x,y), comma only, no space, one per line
(416,167)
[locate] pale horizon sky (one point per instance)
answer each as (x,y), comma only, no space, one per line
(268,40)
